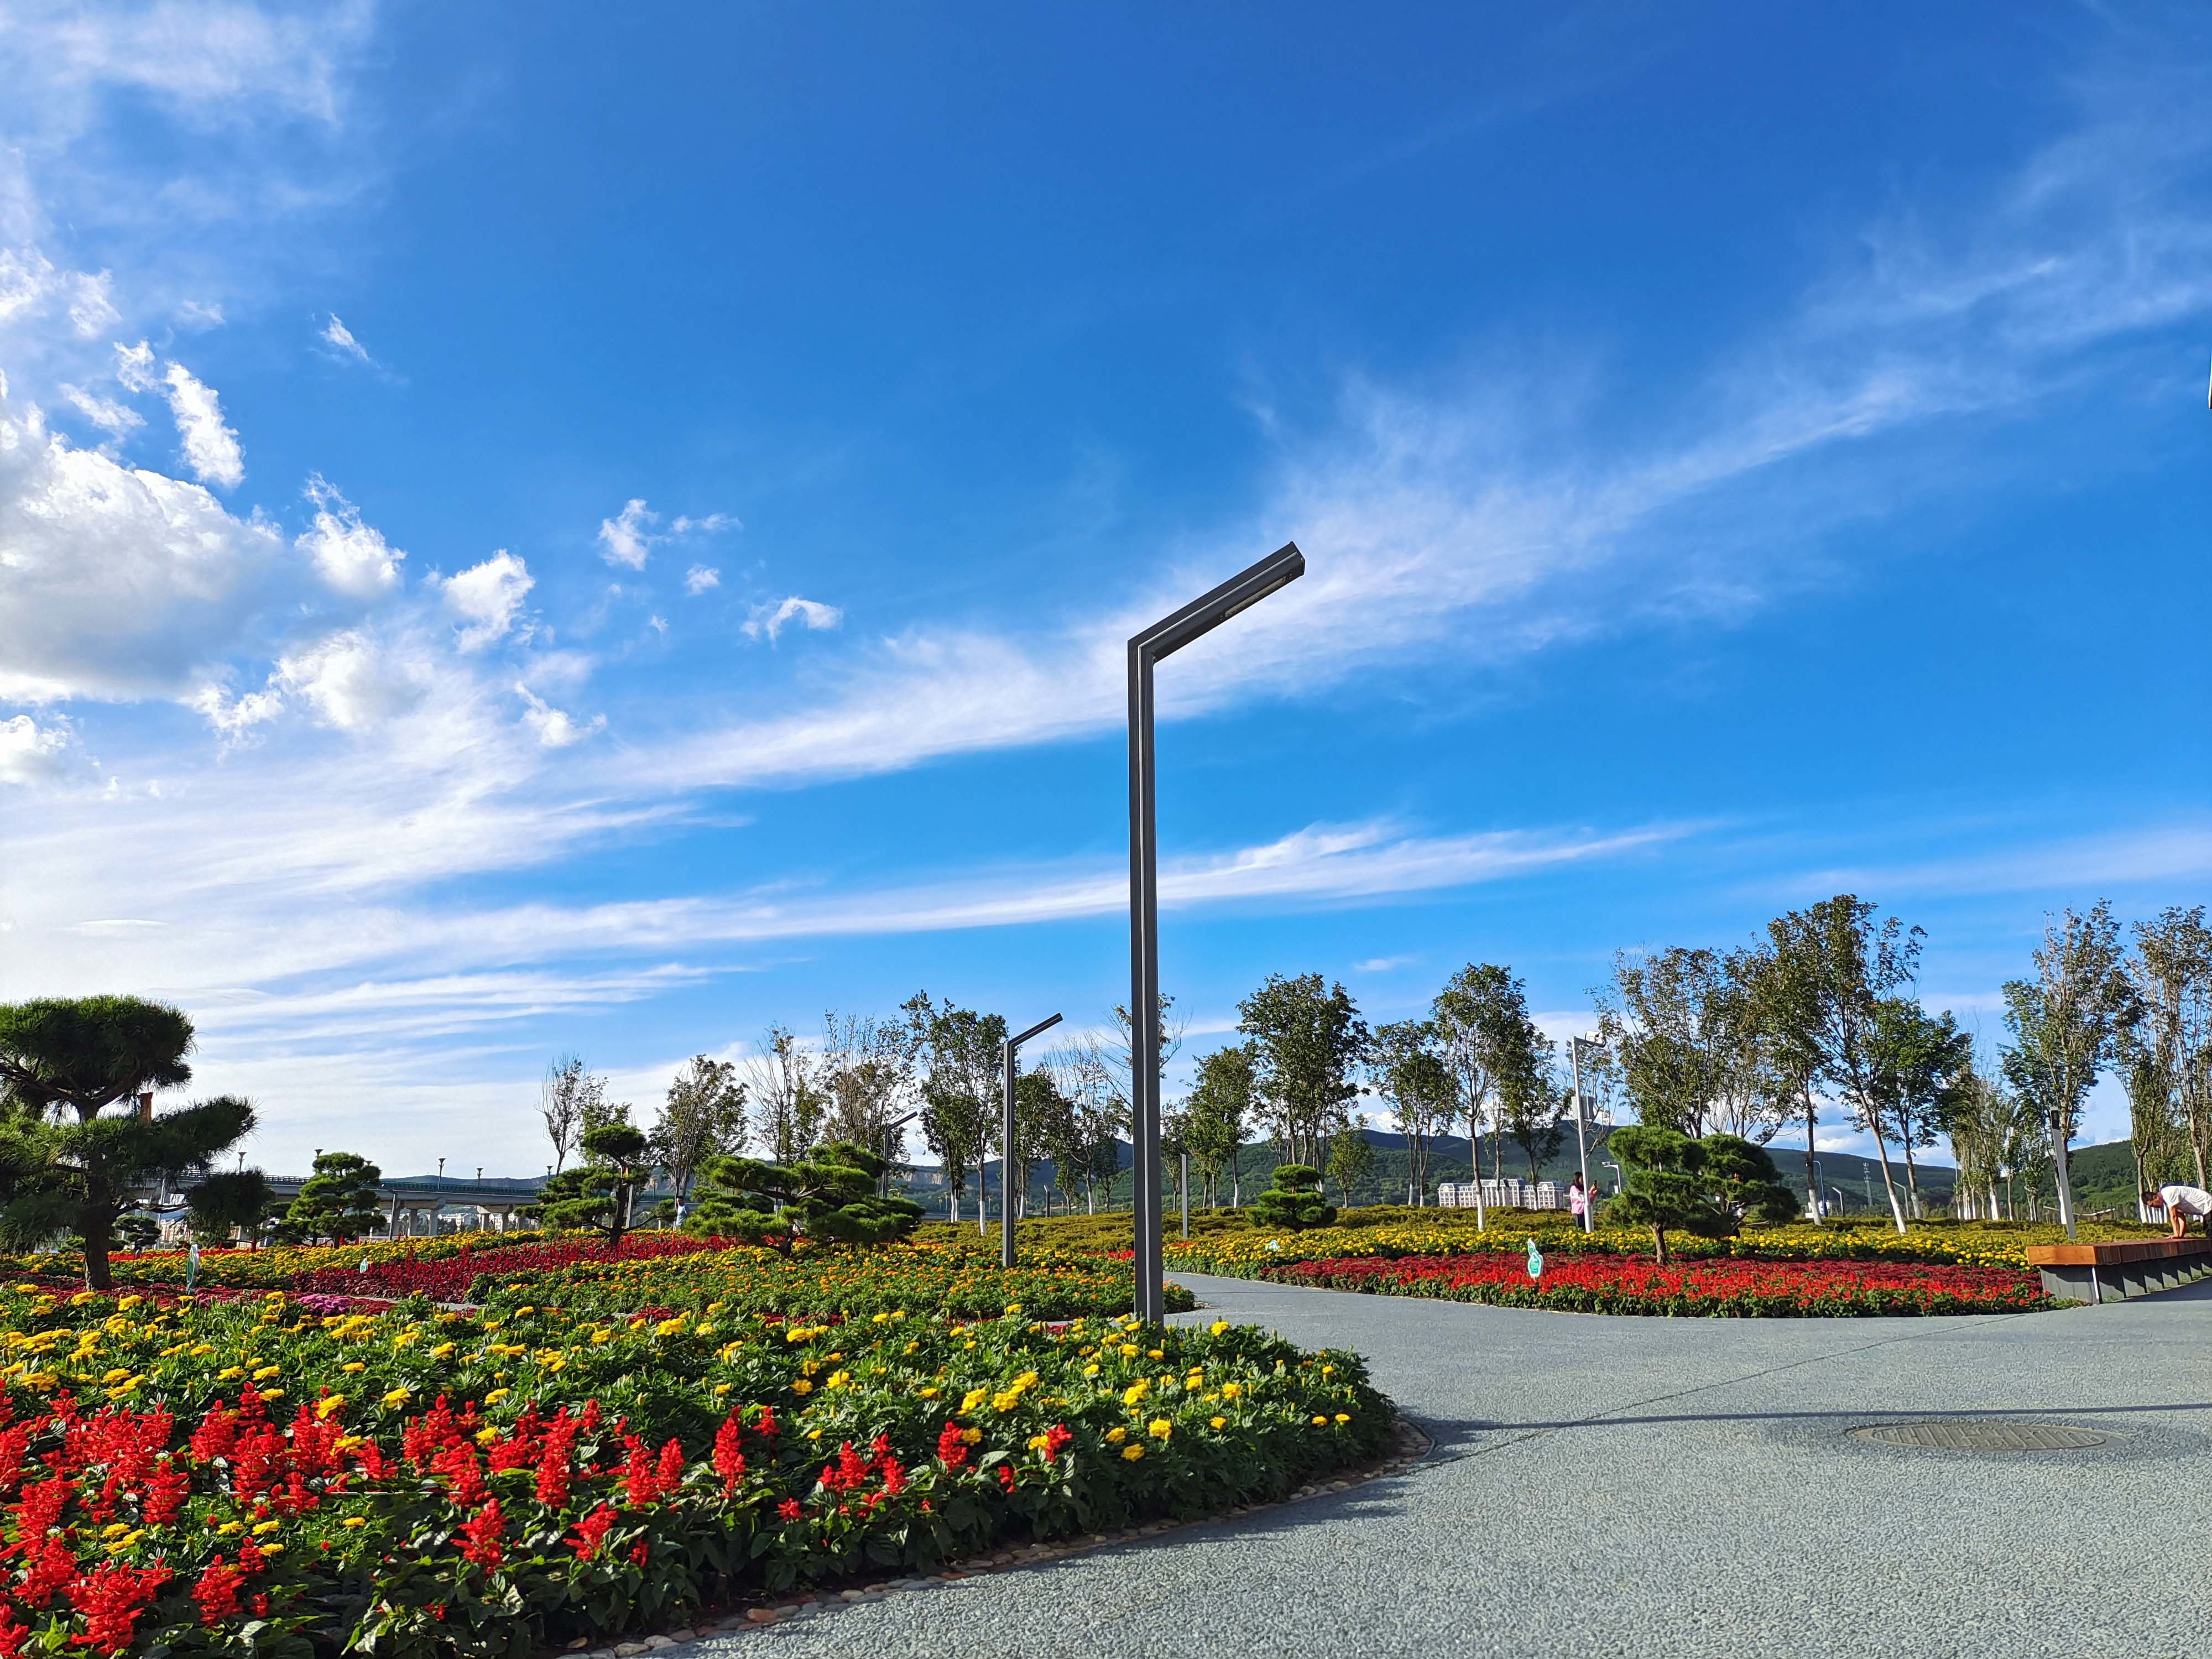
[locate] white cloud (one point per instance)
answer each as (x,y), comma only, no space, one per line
(625,539)
(772,619)
(488,596)
(116,582)
(110,416)
(31,753)
(352,680)
(337,334)
(211,448)
(554,727)
(701,577)
(134,366)
(1380,964)
(192,314)
(708,525)
(352,557)
(30,284)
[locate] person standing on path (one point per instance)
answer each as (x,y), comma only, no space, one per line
(1578,1196)
(2183,1204)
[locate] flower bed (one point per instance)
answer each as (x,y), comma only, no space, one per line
(1592,1283)
(240,1477)
(1449,1232)
(945,1277)
(667,1271)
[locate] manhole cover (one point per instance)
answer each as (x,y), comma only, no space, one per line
(1983,1435)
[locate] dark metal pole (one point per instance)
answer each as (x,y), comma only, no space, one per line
(1007,1050)
(1145,992)
(1170,634)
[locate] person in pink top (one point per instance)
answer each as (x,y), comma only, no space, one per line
(1578,1196)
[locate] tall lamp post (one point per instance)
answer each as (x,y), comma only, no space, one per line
(1162,639)
(1007,1052)
(1575,1047)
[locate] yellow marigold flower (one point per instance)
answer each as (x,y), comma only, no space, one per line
(1342,1418)
(800,1385)
(1329,1370)
(266,1527)
(117,1375)
(1038,1442)
(1158,1353)
(496,1395)
(1136,1391)
(1232,1390)
(1091,1371)
(1323,1420)
(441,1351)
(930,1393)
(669,1326)
(272,1549)
(1220,1328)
(273,1393)
(1117,1434)
(1220,1422)
(228,1528)
(971,1435)
(115,1529)
(229,1371)
(1159,1428)
(1132,1454)
(354,1521)
(397,1398)
(130,1302)
(328,1403)
(1128,1351)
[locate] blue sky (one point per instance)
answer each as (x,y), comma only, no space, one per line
(600,530)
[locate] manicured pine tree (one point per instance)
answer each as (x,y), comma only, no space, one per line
(68,1161)
(829,1196)
(338,1202)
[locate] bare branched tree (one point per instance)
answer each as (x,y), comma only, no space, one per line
(570,1100)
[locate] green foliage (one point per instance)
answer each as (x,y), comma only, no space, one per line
(1351,1157)
(1214,1114)
(1307,1039)
(1667,1188)
(233,1201)
(136,1231)
(1495,1054)
(338,1202)
(62,1059)
(829,1196)
(1294,1202)
(957,1050)
(1742,1181)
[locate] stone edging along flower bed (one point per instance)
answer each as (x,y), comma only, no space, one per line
(1410,1445)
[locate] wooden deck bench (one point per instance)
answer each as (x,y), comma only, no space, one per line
(2123,1271)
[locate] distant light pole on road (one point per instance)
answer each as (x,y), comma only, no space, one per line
(1575,1047)
(1007,1050)
(1162,639)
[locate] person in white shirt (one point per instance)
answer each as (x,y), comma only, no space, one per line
(2183,1204)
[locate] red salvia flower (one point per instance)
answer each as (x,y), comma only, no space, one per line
(952,1450)
(483,1532)
(111,1597)
(216,1592)
(592,1532)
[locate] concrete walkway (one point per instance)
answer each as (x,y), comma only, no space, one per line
(1651,1486)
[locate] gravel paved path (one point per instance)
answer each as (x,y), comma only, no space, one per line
(1651,1486)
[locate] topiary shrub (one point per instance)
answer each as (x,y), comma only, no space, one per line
(1292,1203)
(829,1196)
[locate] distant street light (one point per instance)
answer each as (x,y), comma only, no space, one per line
(1162,639)
(1007,1050)
(1575,1046)
(1617,1177)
